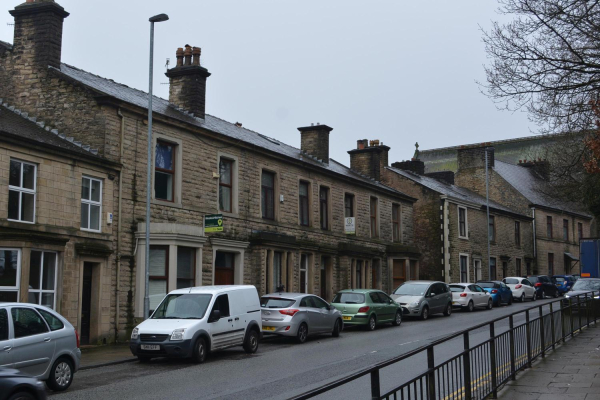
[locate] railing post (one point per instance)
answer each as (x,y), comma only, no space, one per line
(511,334)
(542,342)
(562,322)
(528,332)
(493,362)
(587,310)
(552,327)
(594,313)
(467,366)
(375,385)
(571,316)
(431,373)
(579,310)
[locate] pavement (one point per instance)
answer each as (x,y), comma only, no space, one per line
(572,371)
(101,356)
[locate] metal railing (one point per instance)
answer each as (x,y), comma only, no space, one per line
(478,371)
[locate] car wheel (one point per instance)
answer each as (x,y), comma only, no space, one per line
(251,343)
(470,306)
(144,359)
(555,294)
(425,313)
(534,297)
(490,304)
(448,310)
(510,300)
(372,323)
(522,300)
(302,334)
(337,328)
(61,375)
(200,350)
(22,396)
(398,318)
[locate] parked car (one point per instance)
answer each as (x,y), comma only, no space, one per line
(582,287)
(544,287)
(424,298)
(196,321)
(299,315)
(468,296)
(499,291)
(14,384)
(564,283)
(39,342)
(367,308)
(521,288)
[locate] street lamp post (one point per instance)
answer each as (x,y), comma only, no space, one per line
(156,18)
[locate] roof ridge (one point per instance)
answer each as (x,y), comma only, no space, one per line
(42,125)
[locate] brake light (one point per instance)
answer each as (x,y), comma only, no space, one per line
(494,291)
(363,309)
(463,295)
(538,284)
(519,286)
(77,337)
(291,312)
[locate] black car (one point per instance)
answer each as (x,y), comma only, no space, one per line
(581,288)
(544,287)
(16,385)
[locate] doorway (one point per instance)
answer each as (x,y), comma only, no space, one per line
(88,321)
(326,278)
(224,268)
(399,272)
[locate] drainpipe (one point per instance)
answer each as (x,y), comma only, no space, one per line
(119,229)
(534,235)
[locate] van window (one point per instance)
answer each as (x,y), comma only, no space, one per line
(3,324)
(27,322)
(222,304)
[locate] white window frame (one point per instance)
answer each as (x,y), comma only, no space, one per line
(22,190)
(90,203)
(17,287)
(466,236)
(40,290)
(460,255)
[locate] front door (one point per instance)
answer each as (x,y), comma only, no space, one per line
(86,303)
(399,271)
(224,268)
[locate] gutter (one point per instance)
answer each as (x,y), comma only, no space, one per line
(119,229)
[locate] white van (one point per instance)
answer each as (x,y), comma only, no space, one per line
(195,321)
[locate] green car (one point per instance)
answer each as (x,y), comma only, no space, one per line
(367,307)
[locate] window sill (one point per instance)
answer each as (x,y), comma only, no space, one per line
(21,222)
(464,237)
(229,214)
(166,203)
(90,230)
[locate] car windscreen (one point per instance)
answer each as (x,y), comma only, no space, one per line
(412,289)
(349,298)
(183,306)
(488,284)
(276,302)
(587,284)
(457,288)
(511,281)
(558,279)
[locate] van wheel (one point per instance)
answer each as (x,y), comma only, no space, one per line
(61,375)
(302,333)
(251,343)
(200,350)
(337,328)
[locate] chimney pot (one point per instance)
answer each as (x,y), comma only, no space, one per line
(179,56)
(196,56)
(187,54)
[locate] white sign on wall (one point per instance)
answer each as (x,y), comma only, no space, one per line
(350,225)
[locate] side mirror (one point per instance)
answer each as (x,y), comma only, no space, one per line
(431,294)
(215,315)
(391,301)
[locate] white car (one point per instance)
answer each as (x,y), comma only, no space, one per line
(195,321)
(469,295)
(521,288)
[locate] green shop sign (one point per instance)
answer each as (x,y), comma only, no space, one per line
(213,223)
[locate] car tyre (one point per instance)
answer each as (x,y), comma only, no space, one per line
(555,294)
(470,306)
(144,359)
(22,396)
(522,300)
(302,334)
(425,313)
(200,351)
(448,310)
(251,342)
(397,318)
(372,323)
(534,297)
(61,375)
(337,328)
(490,304)
(510,300)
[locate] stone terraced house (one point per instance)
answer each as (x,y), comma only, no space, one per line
(290,217)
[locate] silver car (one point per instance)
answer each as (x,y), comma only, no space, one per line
(39,342)
(299,315)
(423,298)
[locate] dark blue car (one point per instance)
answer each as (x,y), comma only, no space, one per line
(501,294)
(563,283)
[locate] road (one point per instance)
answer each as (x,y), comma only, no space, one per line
(282,368)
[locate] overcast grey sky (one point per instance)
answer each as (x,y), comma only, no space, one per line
(397,71)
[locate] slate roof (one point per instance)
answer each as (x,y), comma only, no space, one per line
(527,182)
(453,191)
(211,123)
(20,125)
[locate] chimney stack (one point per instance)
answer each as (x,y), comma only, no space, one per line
(369,158)
(474,157)
(315,141)
(540,167)
(187,81)
(38,33)
(415,166)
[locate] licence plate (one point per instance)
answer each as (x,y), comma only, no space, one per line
(558,284)
(347,318)
(268,328)
(150,347)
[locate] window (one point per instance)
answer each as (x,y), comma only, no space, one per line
(222,304)
(580,230)
(303,190)
(462,223)
(396,222)
(549,227)
(324,206)
(303,273)
(492,229)
(21,191)
(550,264)
(464,269)
(42,279)
(528,268)
(565,229)
(3,324)
(268,195)
(53,322)
(374,227)
(518,267)
(91,203)
(348,205)
(225,185)
(10,273)
(277,273)
(26,322)
(159,272)
(493,269)
(186,267)
(164,171)
(517,233)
